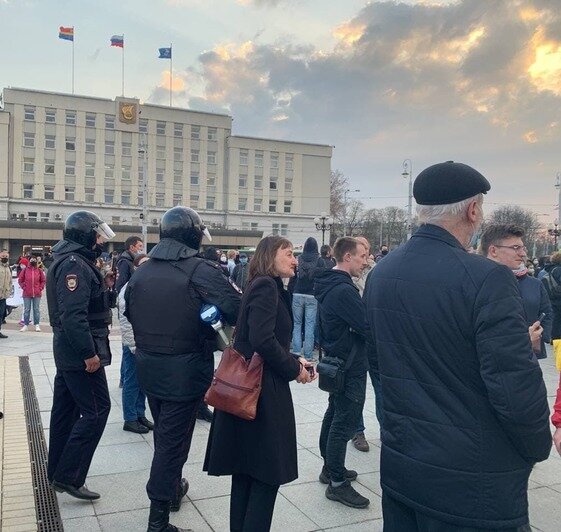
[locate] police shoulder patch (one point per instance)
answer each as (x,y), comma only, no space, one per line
(72,282)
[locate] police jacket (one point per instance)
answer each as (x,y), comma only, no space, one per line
(78,307)
(465,405)
(174,349)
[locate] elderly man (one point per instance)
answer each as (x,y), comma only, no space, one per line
(465,406)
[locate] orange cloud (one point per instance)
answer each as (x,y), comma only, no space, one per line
(177,85)
(530,137)
(349,32)
(545,71)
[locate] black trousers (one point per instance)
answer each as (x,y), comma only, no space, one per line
(2,311)
(399,517)
(252,504)
(174,423)
(81,405)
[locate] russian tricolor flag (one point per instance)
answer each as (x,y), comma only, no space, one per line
(118,41)
(66,33)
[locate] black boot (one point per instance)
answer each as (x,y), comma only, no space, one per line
(158,521)
(181,492)
(204,412)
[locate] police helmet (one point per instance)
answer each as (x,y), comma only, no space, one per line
(83,227)
(184,225)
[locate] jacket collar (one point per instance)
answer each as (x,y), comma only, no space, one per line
(438,233)
(170,249)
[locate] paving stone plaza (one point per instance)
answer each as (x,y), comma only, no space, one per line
(121,464)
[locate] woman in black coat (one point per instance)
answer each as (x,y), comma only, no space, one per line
(261,454)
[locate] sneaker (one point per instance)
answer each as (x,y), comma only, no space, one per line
(23,329)
(21,322)
(347,495)
(37,328)
(360,443)
(325,477)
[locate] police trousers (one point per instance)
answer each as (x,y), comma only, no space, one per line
(81,406)
(174,423)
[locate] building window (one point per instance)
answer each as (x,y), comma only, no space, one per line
(70,118)
(194,201)
(143,125)
(29,113)
(90,195)
(27,191)
(280,229)
(212,133)
(44,217)
(194,156)
(126,173)
(125,197)
(288,207)
(70,168)
(194,179)
(29,140)
(243,181)
(272,205)
(109,171)
(259,159)
(69,193)
(242,204)
(49,192)
(90,145)
(160,175)
(90,119)
(244,157)
(49,167)
(178,130)
(126,149)
(50,116)
(289,161)
(177,176)
(160,199)
(195,132)
(211,157)
(288,185)
(109,195)
(274,160)
(273,183)
(258,204)
(254,226)
(90,169)
(258,181)
(160,153)
(160,128)
(109,121)
(50,142)
(70,143)
(177,154)
(32,216)
(177,199)
(28,165)
(140,199)
(109,147)
(210,200)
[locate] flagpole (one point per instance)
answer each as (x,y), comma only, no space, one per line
(170,71)
(73,36)
(123,69)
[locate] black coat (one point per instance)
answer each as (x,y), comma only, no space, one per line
(265,448)
(125,268)
(555,271)
(465,405)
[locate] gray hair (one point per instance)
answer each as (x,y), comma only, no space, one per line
(433,214)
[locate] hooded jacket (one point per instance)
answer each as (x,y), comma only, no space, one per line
(125,268)
(32,281)
(309,265)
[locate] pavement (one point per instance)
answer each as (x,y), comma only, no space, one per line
(120,467)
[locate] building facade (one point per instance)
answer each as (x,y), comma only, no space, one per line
(60,152)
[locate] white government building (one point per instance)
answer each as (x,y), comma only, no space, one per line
(61,152)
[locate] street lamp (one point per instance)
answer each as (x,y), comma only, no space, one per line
(323,224)
(558,187)
(347,190)
(408,172)
(555,233)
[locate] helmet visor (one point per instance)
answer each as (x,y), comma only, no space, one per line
(104,231)
(206,232)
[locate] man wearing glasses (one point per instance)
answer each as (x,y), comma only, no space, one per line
(504,244)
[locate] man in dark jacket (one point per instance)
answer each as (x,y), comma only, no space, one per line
(174,348)
(241,272)
(343,331)
(79,314)
(125,267)
(465,406)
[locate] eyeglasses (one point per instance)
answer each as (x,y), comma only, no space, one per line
(516,248)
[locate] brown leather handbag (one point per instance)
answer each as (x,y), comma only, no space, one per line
(236,384)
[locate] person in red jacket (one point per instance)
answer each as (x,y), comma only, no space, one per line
(32,281)
(556,419)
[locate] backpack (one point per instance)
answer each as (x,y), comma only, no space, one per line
(552,285)
(307,270)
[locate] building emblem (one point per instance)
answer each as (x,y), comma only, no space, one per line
(127,113)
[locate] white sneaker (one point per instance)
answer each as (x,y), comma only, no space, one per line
(23,329)
(37,328)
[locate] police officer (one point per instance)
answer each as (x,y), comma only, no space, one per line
(79,315)
(174,349)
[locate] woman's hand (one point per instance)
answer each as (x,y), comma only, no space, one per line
(304,376)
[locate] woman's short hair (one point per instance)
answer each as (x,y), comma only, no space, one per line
(263,260)
(138,259)
(494,234)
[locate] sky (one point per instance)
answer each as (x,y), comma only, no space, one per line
(474,81)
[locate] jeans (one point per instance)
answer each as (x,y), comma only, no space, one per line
(379,402)
(252,504)
(304,309)
(27,301)
(134,400)
(339,425)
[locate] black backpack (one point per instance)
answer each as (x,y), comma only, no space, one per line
(552,285)
(307,270)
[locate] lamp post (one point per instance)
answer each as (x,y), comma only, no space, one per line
(558,187)
(142,152)
(555,232)
(345,194)
(323,224)
(408,172)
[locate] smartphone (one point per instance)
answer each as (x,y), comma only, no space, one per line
(542,316)
(311,370)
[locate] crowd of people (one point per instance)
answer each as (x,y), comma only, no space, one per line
(450,339)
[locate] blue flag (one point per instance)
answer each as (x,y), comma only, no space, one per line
(165,53)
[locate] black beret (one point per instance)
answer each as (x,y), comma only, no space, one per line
(449,182)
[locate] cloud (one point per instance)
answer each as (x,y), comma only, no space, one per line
(260,3)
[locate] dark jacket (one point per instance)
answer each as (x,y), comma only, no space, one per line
(341,310)
(555,271)
(78,307)
(240,274)
(536,301)
(309,265)
(327,262)
(174,348)
(125,268)
(465,405)
(265,448)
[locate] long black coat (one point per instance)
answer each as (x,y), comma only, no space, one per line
(465,405)
(265,448)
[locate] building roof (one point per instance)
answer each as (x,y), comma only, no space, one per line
(282,140)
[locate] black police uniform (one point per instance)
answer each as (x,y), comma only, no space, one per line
(174,349)
(79,315)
